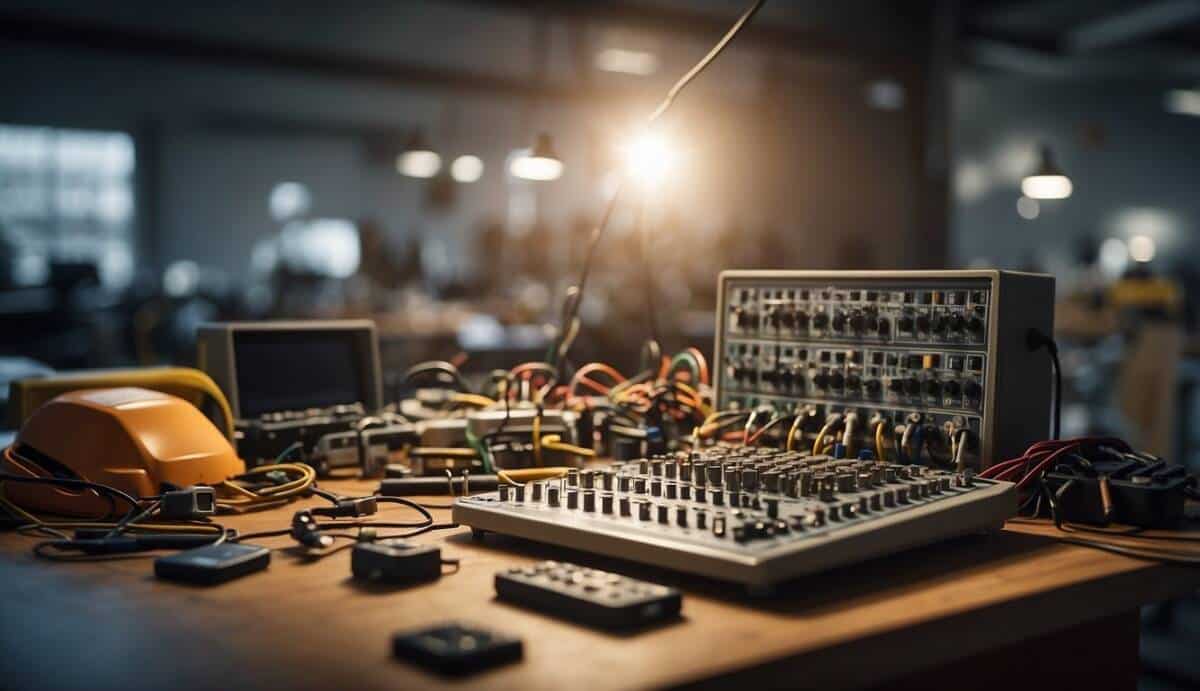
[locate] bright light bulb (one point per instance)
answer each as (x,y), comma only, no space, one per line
(1046,187)
(1142,248)
(636,62)
(1114,257)
(649,158)
(419,163)
(539,168)
(466,168)
(1183,101)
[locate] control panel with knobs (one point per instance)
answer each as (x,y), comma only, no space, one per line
(751,515)
(949,347)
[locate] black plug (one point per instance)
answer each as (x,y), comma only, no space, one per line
(349,508)
(188,504)
(306,531)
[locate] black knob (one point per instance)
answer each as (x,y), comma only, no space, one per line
(972,390)
(853,382)
(856,321)
(952,388)
(905,323)
(873,387)
(912,386)
(957,323)
(821,380)
(883,327)
(896,385)
(975,325)
(788,318)
(839,322)
(837,380)
(775,317)
(820,320)
(940,325)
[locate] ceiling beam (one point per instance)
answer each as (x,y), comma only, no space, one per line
(1131,25)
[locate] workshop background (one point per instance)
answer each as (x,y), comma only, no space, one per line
(438,166)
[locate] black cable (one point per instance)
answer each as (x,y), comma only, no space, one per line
(1035,339)
(440,367)
(107,491)
(406,502)
(326,495)
(575,294)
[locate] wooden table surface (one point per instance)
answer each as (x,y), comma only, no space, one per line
(307,624)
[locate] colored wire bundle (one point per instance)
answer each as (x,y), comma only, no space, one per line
(265,486)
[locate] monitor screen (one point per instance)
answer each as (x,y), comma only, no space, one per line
(296,370)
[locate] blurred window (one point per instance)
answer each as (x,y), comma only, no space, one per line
(67,196)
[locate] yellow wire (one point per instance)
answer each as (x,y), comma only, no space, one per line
(554,442)
(472,399)
(791,437)
(691,391)
(268,495)
(523,475)
(817,445)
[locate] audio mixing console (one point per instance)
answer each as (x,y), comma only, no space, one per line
(751,515)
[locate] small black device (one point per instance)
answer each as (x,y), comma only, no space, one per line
(588,596)
(213,564)
(454,649)
(1129,491)
(396,562)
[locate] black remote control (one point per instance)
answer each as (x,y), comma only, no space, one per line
(588,596)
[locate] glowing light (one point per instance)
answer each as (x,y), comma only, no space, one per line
(323,246)
(419,163)
(181,278)
(636,62)
(971,181)
(540,163)
(1028,209)
(649,158)
(1183,102)
(289,200)
(1114,257)
(1142,248)
(1048,181)
(538,168)
(1047,187)
(466,168)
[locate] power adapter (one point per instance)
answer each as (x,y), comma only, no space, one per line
(396,562)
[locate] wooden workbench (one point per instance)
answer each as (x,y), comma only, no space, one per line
(979,612)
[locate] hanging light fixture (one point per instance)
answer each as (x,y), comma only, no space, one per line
(541,163)
(418,160)
(1048,181)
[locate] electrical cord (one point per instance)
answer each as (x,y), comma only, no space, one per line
(1035,340)
(441,370)
(574,298)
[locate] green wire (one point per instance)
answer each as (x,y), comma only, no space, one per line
(688,359)
(484,455)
